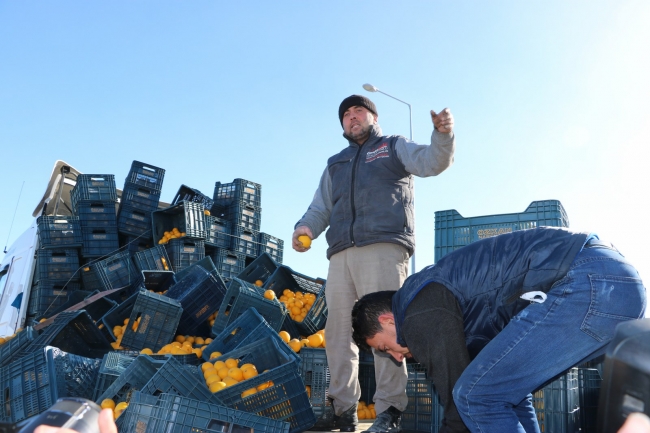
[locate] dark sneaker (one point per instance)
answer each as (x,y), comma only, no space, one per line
(346,422)
(389,421)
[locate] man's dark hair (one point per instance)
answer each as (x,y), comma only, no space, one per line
(365,316)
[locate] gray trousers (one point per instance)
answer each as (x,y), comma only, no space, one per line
(353,273)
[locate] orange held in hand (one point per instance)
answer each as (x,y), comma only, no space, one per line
(304,240)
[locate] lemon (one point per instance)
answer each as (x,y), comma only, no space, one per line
(304,240)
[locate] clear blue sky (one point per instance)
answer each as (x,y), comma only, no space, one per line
(551,101)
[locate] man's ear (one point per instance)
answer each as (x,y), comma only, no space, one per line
(386,319)
(375,117)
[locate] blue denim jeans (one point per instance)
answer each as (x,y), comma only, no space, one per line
(573,325)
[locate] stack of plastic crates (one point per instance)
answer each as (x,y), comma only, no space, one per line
(118,272)
(453,231)
(140,197)
(94,200)
(424,411)
(56,276)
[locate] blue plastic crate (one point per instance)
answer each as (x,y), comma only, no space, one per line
(90,280)
(271,245)
(134,222)
(244,241)
(244,215)
(188,217)
(168,412)
(71,331)
(200,293)
(113,364)
(228,263)
(135,244)
(286,400)
(15,344)
(315,373)
(589,382)
(557,405)
(47,296)
(99,242)
(184,252)
(159,318)
(259,269)
(152,259)
(424,411)
(238,190)
(59,232)
(249,327)
(453,231)
(146,175)
(206,263)
(185,193)
(32,384)
(119,272)
(59,265)
(158,281)
(97,214)
(136,374)
(239,297)
(140,197)
(217,232)
(286,278)
(93,187)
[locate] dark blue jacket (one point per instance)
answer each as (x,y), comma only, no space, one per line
(488,277)
(372,196)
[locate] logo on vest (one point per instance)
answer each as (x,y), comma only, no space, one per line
(380,152)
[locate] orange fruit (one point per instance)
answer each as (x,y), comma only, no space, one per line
(209,371)
(217,386)
(107,404)
(285,336)
(236,374)
(229,381)
(304,342)
(304,240)
(207,365)
(295,345)
(269,294)
(315,340)
(215,355)
(230,363)
(248,392)
(259,283)
(146,351)
(250,372)
(219,365)
(212,379)
(223,372)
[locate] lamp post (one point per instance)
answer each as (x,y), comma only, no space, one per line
(371,88)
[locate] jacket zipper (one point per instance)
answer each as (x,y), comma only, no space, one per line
(354,175)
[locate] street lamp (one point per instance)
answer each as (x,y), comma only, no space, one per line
(371,88)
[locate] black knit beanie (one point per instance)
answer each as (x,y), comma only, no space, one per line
(356,100)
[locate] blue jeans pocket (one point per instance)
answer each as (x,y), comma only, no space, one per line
(614,299)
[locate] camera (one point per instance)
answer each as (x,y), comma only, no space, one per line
(74,413)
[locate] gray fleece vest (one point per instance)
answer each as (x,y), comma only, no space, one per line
(372,197)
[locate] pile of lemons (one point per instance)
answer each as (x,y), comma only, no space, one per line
(366,411)
(297,303)
(316,340)
(223,374)
(182,345)
(116,408)
(172,234)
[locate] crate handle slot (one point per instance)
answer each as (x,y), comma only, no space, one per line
(7,404)
(98,178)
(144,167)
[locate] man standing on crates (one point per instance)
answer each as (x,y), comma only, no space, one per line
(499,318)
(365,196)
